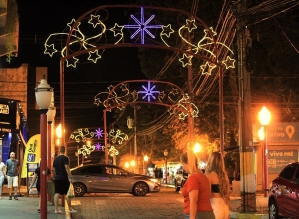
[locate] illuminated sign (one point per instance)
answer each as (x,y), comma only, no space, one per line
(4,109)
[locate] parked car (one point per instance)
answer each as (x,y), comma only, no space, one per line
(284,193)
(107,178)
(180,179)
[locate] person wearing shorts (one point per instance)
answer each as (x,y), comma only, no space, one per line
(62,179)
(12,175)
(2,174)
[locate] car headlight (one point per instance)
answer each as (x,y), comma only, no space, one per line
(155,181)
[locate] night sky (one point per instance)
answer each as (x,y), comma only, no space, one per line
(40,18)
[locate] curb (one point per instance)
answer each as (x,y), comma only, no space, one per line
(236,215)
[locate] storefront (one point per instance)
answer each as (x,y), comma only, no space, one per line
(13,128)
(283,147)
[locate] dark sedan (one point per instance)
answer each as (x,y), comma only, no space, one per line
(284,193)
(106,178)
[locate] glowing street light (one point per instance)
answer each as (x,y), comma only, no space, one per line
(145,159)
(58,134)
(165,155)
(197,148)
(264,117)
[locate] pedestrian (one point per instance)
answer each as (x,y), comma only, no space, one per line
(230,173)
(36,178)
(12,175)
(220,198)
(196,190)
(2,174)
(62,179)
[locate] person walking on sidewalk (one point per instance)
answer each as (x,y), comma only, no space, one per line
(196,190)
(62,178)
(36,178)
(2,174)
(12,175)
(220,198)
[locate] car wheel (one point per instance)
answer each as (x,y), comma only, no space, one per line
(177,188)
(140,189)
(273,211)
(80,189)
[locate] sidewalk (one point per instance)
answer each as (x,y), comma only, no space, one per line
(27,207)
(236,207)
(261,208)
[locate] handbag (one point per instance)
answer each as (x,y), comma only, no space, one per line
(71,192)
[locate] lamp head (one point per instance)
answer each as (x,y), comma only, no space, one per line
(43,94)
(166,153)
(264,116)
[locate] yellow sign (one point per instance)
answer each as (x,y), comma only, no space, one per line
(32,153)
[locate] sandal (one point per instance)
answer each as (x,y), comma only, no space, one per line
(16,197)
(58,212)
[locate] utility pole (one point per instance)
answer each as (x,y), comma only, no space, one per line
(248,185)
(135,139)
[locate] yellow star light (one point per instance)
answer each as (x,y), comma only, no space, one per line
(94,56)
(186,60)
(71,62)
(70,24)
(167,30)
(94,20)
(229,63)
(117,30)
(207,68)
(190,24)
(50,50)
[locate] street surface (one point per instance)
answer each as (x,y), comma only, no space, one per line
(164,204)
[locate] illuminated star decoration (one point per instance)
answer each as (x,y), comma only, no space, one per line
(72,62)
(141,26)
(149,92)
(166,31)
(207,68)
(229,62)
(186,60)
(94,56)
(50,49)
(99,133)
(190,24)
(94,20)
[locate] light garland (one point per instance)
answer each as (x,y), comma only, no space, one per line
(141,27)
(172,97)
(117,136)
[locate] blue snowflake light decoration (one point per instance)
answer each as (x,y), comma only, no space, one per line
(142,26)
(149,92)
(99,133)
(99,147)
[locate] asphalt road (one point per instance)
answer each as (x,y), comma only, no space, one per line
(164,204)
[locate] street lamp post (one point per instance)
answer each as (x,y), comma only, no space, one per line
(145,159)
(264,117)
(43,95)
(165,155)
(131,123)
(50,118)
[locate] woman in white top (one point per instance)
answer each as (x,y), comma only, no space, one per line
(220,199)
(2,173)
